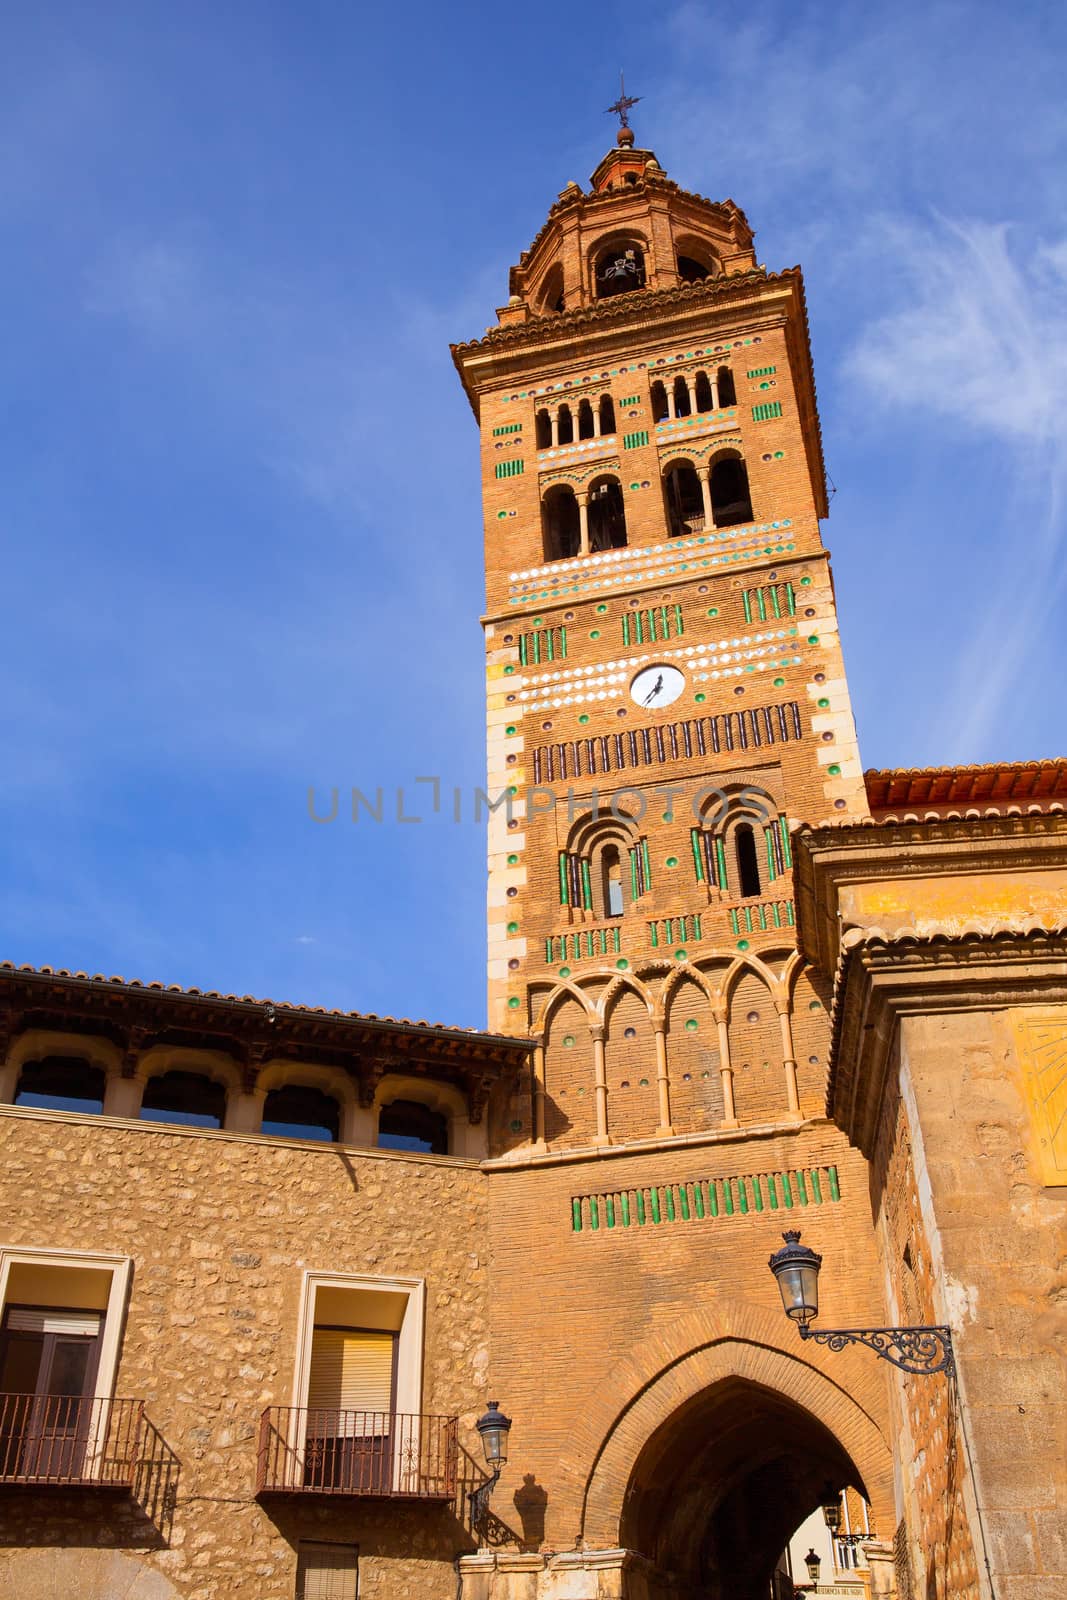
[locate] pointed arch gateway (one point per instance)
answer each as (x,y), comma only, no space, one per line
(712,1447)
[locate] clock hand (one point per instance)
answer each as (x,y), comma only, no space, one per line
(658,685)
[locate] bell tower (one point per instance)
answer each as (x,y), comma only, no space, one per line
(666,697)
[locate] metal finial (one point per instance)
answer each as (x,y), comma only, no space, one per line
(622,105)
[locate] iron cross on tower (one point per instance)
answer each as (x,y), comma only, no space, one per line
(623,104)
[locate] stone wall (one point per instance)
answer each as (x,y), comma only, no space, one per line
(220,1229)
(992,1256)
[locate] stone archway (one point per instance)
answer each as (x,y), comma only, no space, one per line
(61,1573)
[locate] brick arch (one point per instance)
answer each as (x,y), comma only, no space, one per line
(622,981)
(842,1391)
(564,990)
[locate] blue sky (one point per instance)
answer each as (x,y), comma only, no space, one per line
(239,480)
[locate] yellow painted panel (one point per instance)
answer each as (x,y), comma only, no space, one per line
(952,903)
(1041,1041)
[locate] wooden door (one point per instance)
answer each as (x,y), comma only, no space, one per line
(48,1365)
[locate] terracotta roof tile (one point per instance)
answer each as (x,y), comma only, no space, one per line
(155,986)
(1015,783)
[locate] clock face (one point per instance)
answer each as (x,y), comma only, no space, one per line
(657,686)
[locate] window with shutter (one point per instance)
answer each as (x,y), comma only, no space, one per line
(351,1388)
(327,1572)
(352,1370)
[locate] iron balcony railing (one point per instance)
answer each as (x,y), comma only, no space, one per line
(69,1440)
(372,1453)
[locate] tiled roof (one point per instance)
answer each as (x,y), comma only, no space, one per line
(996,784)
(132,986)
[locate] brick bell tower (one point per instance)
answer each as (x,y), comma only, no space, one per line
(666,697)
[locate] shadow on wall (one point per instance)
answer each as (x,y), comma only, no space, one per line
(395,1529)
(530,1502)
(140,1520)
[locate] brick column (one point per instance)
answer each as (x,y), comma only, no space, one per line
(583,522)
(792,1092)
(601,1072)
(663,1080)
(704,474)
(729,1114)
(539,1093)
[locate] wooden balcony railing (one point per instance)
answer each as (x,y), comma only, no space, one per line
(370,1453)
(67,1440)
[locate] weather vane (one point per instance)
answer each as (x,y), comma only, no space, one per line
(623,104)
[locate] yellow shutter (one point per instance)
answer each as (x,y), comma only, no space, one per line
(351,1371)
(327,1572)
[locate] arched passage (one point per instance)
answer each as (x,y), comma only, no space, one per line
(716,1426)
(719,1489)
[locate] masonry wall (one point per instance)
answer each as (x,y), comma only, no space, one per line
(584,1281)
(220,1229)
(960,1178)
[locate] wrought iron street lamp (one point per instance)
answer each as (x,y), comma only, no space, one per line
(812,1562)
(919,1350)
(494,1428)
(831,1508)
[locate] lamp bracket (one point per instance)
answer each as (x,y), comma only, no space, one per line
(479,1501)
(921,1351)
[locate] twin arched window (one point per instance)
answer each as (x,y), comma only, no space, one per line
(743,848)
(605,868)
(592,519)
(728,496)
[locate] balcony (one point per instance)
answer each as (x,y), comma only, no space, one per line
(62,1441)
(357,1454)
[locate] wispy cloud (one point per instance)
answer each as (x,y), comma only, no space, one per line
(981,334)
(979,339)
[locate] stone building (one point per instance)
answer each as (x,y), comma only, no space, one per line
(261,1266)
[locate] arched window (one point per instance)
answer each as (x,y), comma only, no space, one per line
(186,1098)
(731,502)
(619,269)
(746,860)
(607,414)
(691,271)
(607,515)
(727,392)
(296,1111)
(61,1083)
(550,299)
(742,845)
(605,866)
(611,881)
(684,500)
(703,393)
(585,420)
(566,426)
(407,1125)
(543,430)
(681,397)
(659,401)
(560,528)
